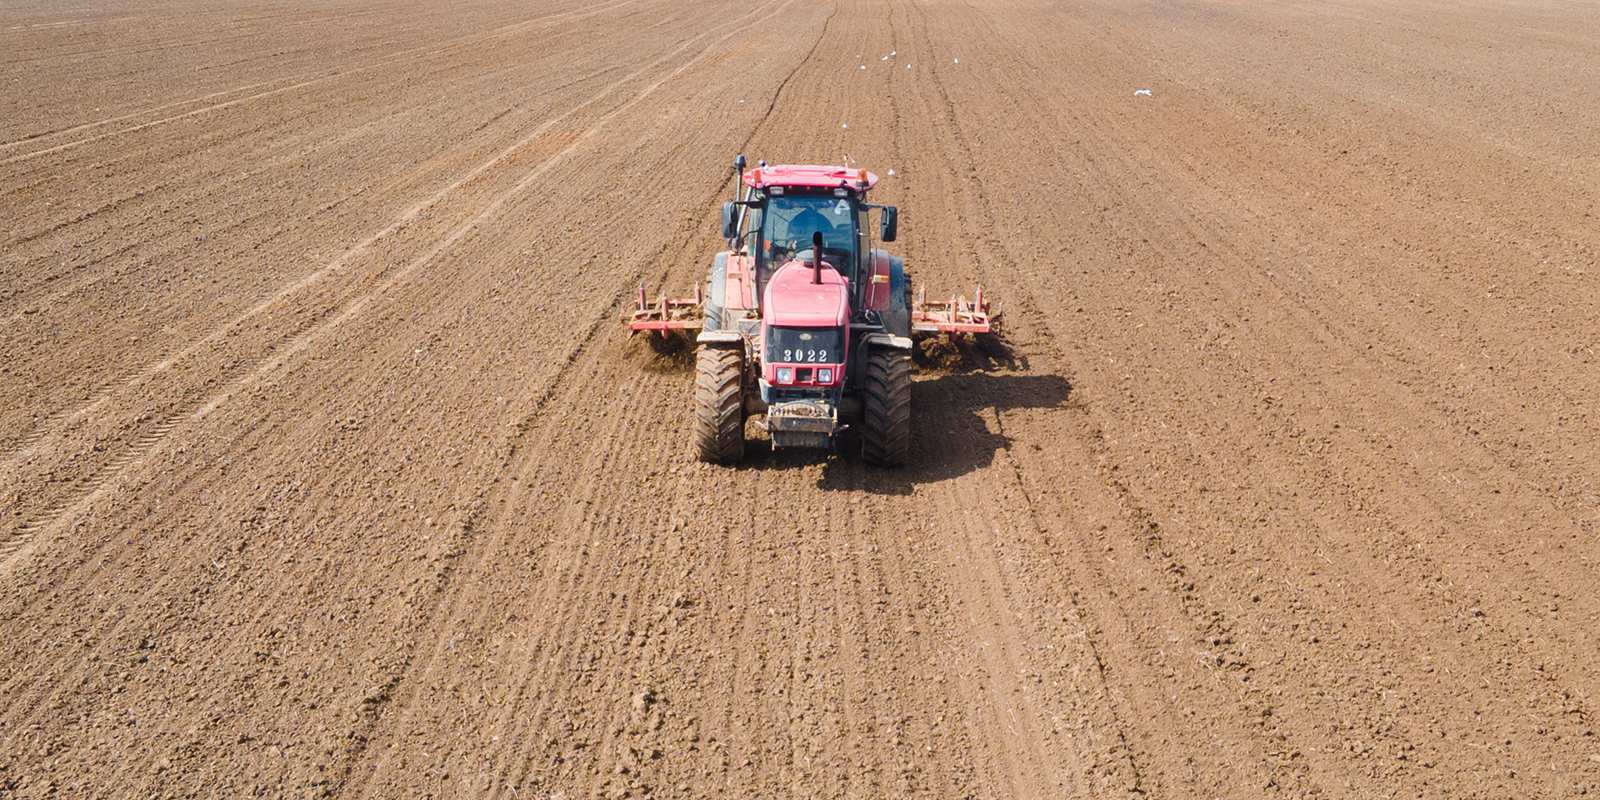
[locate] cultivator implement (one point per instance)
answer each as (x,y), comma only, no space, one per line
(953,316)
(668,315)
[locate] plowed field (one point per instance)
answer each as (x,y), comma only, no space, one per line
(326,468)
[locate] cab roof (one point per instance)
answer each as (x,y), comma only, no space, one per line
(810,175)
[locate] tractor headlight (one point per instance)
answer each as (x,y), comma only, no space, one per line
(785,374)
(824,375)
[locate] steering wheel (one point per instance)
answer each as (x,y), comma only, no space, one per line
(836,257)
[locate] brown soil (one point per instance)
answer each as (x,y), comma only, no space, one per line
(326,468)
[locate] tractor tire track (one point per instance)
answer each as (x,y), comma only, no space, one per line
(280,359)
(440,532)
(460,606)
(602,314)
(462,43)
(1117,753)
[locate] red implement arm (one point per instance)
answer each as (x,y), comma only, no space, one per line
(955,315)
(668,314)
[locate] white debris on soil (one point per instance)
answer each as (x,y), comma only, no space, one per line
(1145,92)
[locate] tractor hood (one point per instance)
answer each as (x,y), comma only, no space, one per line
(793,301)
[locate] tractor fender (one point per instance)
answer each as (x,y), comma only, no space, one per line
(885,340)
(885,291)
(878,293)
(716,292)
(897,283)
(898,318)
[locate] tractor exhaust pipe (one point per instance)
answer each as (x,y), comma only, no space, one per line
(816,257)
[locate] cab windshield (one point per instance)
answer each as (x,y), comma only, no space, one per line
(788,222)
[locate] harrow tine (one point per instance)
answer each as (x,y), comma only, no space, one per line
(666,314)
(954,316)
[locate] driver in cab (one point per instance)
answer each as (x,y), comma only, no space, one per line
(797,236)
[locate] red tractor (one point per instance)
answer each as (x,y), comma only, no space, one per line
(803,321)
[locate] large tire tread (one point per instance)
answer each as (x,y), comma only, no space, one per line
(886,408)
(719,404)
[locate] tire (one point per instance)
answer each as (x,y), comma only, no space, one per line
(719,404)
(886,408)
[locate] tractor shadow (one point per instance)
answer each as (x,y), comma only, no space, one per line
(953,430)
(953,417)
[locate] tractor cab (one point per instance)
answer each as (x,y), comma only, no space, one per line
(788,205)
(785,225)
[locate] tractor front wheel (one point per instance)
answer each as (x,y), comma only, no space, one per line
(886,412)
(719,404)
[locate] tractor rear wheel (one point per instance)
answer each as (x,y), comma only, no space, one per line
(719,404)
(886,411)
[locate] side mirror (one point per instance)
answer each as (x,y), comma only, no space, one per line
(730,220)
(891,219)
